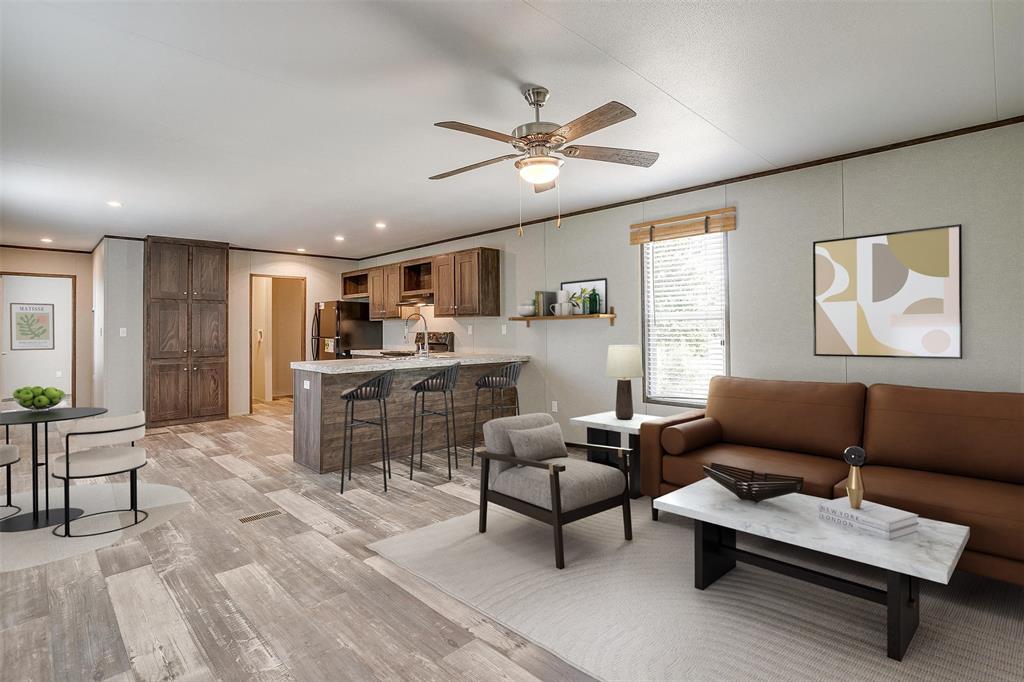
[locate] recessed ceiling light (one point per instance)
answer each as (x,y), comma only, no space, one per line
(301,250)
(339,238)
(46,240)
(380,225)
(113,203)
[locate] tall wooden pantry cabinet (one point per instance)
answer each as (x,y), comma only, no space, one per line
(186,356)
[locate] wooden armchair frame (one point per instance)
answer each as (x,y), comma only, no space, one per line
(554,517)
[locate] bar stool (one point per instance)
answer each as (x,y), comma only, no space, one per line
(504,378)
(9,456)
(442,382)
(376,389)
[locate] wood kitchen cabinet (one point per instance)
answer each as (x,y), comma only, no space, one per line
(385,290)
(186,330)
(463,283)
(473,288)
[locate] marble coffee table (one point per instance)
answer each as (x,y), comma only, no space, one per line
(929,554)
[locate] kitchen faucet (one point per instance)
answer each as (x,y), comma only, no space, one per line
(425,347)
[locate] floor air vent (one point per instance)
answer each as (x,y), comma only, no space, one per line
(261,515)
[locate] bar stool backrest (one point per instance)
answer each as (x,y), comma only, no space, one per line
(506,376)
(377,388)
(444,380)
(96,432)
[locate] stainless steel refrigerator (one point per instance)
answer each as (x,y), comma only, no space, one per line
(340,327)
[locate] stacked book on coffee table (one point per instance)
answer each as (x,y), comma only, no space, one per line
(874,519)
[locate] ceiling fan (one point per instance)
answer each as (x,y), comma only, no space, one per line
(536,142)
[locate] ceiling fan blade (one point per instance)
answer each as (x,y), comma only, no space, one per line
(475,130)
(544,187)
(602,117)
(630,157)
(488,162)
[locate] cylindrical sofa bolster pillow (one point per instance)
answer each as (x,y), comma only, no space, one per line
(690,436)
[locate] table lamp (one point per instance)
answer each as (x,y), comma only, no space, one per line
(624,363)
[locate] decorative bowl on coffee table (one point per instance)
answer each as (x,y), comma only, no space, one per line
(751,485)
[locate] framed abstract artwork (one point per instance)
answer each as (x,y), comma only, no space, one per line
(889,295)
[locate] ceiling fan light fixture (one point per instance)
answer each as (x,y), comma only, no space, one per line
(538,170)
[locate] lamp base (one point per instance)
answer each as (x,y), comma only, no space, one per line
(624,400)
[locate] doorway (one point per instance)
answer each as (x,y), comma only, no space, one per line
(38,331)
(277,335)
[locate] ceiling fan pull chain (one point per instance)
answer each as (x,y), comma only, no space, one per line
(558,200)
(519,180)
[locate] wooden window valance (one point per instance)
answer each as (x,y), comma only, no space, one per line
(689,225)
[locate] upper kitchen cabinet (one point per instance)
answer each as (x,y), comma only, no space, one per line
(209,265)
(384,290)
(474,287)
(167,266)
(462,284)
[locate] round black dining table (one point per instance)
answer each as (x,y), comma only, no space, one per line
(31,521)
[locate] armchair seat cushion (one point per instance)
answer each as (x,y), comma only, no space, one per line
(581,483)
(100,462)
(820,474)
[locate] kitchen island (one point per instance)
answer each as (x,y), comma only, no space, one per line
(319,410)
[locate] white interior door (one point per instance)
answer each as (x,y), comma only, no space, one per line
(37,333)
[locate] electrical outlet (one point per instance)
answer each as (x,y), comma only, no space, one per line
(469,329)
(554,406)
(305,384)
(123,331)
(504,330)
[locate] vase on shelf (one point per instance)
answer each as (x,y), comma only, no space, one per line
(595,302)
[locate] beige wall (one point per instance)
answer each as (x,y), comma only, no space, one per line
(79,265)
(974,180)
(289,330)
(262,338)
(323,283)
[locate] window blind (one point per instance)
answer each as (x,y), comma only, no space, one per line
(685,317)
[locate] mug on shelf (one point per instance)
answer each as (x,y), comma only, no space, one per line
(561,309)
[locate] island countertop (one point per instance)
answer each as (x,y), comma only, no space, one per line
(372,361)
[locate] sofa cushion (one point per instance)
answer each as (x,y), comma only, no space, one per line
(691,435)
(543,442)
(819,473)
(994,510)
(581,483)
(965,433)
(810,417)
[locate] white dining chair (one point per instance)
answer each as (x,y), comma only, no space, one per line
(98,447)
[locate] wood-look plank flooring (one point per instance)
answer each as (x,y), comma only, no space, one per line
(295,596)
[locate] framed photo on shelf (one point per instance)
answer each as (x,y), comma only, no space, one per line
(31,326)
(575,289)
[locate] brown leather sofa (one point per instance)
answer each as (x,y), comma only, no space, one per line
(956,456)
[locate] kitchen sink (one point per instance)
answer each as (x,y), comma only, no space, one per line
(397,353)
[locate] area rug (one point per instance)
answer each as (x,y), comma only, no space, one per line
(628,610)
(35,547)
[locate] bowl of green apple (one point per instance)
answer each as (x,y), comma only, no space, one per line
(38,398)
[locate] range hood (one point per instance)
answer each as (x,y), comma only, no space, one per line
(417,300)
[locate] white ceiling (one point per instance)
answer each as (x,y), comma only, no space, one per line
(281,125)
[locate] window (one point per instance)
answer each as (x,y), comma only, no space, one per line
(685,317)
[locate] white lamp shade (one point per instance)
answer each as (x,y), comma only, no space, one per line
(625,361)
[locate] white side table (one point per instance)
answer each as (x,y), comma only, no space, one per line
(603,428)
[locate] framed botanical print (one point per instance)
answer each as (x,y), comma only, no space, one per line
(31,326)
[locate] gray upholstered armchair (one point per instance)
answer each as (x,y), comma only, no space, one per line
(526,468)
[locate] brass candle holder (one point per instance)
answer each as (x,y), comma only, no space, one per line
(855,457)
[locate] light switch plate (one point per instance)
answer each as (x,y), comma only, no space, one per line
(123,331)
(305,384)
(554,406)
(59,374)
(469,329)
(504,330)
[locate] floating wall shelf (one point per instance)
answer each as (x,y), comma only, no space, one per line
(610,316)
